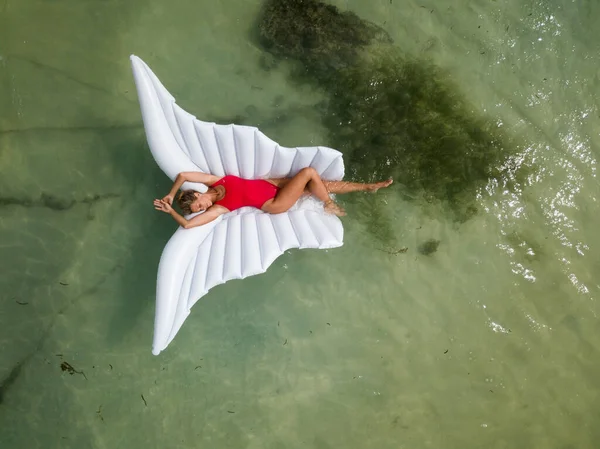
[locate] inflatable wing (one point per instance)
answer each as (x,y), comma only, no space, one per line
(238,244)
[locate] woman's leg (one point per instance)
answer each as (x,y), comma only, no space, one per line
(347,187)
(279,182)
(338,186)
(292,190)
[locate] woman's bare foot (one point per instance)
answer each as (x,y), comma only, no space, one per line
(332,208)
(379,185)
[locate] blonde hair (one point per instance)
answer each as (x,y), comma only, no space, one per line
(185,200)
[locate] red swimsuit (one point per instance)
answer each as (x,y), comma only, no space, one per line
(241,192)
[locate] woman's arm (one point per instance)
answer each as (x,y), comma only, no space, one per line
(191,176)
(196,176)
(209,215)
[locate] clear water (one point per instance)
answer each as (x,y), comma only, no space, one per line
(492,341)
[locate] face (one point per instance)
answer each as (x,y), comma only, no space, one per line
(202,202)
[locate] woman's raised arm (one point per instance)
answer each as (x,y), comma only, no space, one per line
(212,213)
(191,176)
(197,176)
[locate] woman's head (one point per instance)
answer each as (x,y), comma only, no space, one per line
(190,201)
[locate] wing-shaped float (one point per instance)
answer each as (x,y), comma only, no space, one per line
(241,243)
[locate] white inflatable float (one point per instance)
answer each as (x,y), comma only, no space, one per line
(241,243)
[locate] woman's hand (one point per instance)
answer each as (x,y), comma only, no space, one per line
(163,206)
(168,199)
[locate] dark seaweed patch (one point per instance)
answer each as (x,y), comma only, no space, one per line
(428,247)
(53,202)
(315,34)
(398,117)
(9,380)
(390,114)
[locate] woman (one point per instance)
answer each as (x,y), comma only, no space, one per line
(273,196)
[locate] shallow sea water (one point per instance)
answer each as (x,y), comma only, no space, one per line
(491,341)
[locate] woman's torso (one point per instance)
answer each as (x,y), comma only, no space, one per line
(241,192)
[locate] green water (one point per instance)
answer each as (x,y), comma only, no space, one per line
(491,341)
